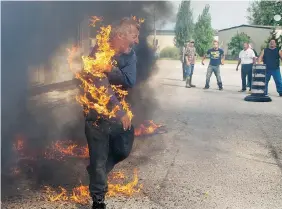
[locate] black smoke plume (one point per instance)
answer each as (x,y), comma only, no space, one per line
(31,33)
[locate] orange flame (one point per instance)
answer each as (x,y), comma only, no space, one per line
(98,98)
(140,20)
(66,148)
(19,144)
(151,128)
(94,20)
(81,195)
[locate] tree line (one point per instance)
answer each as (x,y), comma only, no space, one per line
(260,12)
(185,28)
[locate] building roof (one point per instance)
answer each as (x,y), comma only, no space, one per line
(164,32)
(250,26)
(171,32)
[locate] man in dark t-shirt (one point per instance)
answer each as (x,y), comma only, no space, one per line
(216,59)
(271,58)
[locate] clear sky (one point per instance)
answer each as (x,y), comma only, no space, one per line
(224,14)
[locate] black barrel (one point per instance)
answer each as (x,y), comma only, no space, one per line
(258,85)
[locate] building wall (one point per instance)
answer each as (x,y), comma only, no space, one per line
(258,36)
(163,40)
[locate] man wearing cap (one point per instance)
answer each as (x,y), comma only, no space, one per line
(190,57)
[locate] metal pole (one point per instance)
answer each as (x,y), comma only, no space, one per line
(154,26)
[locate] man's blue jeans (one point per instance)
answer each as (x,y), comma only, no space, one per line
(277,79)
(216,71)
(188,70)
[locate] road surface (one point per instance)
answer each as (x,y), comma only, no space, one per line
(219,151)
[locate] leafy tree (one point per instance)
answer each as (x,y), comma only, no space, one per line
(236,43)
(277,37)
(184,23)
(262,12)
(203,32)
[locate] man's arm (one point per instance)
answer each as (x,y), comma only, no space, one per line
(254,56)
(260,56)
(125,76)
(222,57)
(204,57)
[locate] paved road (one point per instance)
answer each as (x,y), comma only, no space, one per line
(219,152)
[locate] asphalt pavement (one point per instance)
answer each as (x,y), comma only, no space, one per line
(219,151)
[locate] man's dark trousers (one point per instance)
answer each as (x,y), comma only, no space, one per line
(108,145)
(246,71)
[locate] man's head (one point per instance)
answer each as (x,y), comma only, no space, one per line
(246,45)
(192,42)
(272,43)
(215,44)
(125,35)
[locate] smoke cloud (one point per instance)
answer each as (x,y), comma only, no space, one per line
(32,32)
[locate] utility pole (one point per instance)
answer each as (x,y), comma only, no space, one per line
(154,42)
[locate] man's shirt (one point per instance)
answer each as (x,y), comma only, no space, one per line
(215,56)
(190,52)
(271,58)
(247,56)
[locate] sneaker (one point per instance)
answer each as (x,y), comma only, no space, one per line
(206,87)
(193,86)
(242,90)
(220,89)
(99,205)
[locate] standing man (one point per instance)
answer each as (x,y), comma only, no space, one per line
(110,140)
(247,58)
(271,58)
(216,59)
(190,58)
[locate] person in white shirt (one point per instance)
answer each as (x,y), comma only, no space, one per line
(247,58)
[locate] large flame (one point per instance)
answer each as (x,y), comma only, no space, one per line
(94,97)
(81,194)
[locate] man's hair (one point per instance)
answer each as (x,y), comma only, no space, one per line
(124,26)
(215,41)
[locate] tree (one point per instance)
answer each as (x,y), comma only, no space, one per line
(203,32)
(184,24)
(277,36)
(262,12)
(236,43)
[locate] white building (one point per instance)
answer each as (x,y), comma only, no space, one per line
(258,34)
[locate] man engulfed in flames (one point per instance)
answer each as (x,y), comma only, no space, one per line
(108,71)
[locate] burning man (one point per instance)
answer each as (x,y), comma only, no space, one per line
(110,140)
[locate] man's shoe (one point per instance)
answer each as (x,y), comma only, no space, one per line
(206,87)
(242,90)
(220,89)
(280,94)
(99,205)
(193,86)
